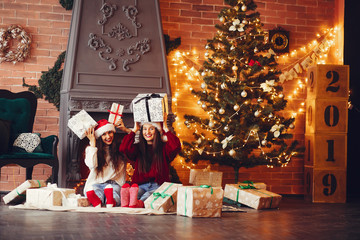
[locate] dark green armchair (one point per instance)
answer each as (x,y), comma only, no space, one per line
(17,114)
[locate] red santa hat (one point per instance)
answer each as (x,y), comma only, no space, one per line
(103,127)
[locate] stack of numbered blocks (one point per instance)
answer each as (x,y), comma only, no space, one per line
(326,133)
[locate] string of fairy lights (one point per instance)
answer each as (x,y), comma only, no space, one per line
(184,70)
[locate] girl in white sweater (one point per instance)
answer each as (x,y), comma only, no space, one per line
(107,165)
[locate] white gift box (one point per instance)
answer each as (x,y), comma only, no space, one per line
(150,107)
(19,192)
(80,122)
(47,196)
(75,200)
(115,112)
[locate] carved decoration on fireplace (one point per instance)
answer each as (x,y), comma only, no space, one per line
(94,105)
(131,13)
(120,32)
(108,11)
(96,43)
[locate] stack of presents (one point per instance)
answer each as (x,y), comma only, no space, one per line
(204,198)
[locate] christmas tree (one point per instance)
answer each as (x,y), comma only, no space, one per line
(242,97)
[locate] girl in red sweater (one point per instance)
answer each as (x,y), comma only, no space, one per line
(151,157)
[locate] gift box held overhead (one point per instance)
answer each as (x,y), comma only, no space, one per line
(150,107)
(204,177)
(252,197)
(18,194)
(115,113)
(80,122)
(164,198)
(47,196)
(199,201)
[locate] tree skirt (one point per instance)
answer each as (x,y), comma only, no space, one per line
(123,210)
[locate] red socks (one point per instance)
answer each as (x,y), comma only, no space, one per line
(129,196)
(109,195)
(133,195)
(93,198)
(125,195)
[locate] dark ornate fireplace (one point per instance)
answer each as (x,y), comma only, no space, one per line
(115,51)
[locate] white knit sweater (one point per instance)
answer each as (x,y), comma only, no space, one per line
(108,171)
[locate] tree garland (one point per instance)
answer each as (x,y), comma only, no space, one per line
(22,51)
(67,4)
(50,83)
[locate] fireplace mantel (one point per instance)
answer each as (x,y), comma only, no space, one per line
(115,51)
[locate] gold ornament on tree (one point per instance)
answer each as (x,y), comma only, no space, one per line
(8,38)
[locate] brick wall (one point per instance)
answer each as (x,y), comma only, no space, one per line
(193,21)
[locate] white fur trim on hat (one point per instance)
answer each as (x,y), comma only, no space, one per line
(154,124)
(106,128)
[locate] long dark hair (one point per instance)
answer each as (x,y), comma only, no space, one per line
(145,161)
(116,157)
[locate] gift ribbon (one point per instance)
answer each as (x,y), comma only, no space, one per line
(146,98)
(116,113)
(201,186)
(251,186)
(23,195)
(162,195)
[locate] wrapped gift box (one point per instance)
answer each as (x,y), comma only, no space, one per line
(200,177)
(18,194)
(254,198)
(257,185)
(150,107)
(47,196)
(80,122)
(115,112)
(164,198)
(75,200)
(199,201)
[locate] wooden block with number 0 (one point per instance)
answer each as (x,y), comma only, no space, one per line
(326,115)
(325,185)
(328,81)
(326,150)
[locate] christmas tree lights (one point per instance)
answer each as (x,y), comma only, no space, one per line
(253,76)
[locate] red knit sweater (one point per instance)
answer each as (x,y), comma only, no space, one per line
(171,148)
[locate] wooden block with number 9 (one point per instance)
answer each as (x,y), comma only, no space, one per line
(325,185)
(328,81)
(326,115)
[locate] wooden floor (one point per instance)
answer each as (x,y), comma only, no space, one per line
(296,219)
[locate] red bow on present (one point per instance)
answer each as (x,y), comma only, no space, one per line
(252,62)
(115,113)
